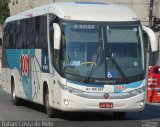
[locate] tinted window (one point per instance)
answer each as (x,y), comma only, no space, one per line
(26,34)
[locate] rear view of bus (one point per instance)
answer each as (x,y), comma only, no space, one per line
(96,59)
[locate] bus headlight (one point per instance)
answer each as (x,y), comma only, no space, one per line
(137,91)
(69,89)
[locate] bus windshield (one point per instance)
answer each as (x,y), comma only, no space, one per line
(108,51)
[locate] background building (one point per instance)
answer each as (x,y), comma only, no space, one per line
(141,7)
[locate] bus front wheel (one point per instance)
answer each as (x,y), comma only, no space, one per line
(49,110)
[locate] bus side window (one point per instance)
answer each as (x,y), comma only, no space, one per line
(20,35)
(37,31)
(43,33)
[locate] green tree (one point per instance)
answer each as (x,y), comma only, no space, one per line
(4,10)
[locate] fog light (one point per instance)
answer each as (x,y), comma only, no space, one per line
(66,102)
(142,104)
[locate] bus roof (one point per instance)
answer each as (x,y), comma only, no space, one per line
(86,11)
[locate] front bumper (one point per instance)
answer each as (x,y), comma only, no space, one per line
(71,102)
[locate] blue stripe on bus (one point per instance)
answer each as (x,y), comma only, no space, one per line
(126,86)
(98,3)
(133,85)
(13,58)
(86,84)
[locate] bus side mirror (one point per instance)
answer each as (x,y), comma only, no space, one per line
(152,37)
(57,36)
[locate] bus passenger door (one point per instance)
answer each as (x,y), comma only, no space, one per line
(36,75)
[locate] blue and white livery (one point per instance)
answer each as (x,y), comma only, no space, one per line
(77,56)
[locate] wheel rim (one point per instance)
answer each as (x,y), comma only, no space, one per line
(13,93)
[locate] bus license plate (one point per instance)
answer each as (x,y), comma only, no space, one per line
(105,105)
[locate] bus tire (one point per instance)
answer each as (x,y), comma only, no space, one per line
(119,115)
(15,99)
(49,110)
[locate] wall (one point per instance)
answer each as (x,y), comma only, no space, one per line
(156,12)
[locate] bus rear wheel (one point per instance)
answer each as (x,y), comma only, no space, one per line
(49,110)
(15,99)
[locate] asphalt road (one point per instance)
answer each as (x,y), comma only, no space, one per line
(150,117)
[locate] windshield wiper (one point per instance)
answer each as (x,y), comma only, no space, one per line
(92,66)
(119,68)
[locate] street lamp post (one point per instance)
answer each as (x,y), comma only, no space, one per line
(151,13)
(151,23)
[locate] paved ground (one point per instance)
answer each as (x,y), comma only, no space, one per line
(33,112)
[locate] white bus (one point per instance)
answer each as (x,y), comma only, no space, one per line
(77,56)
